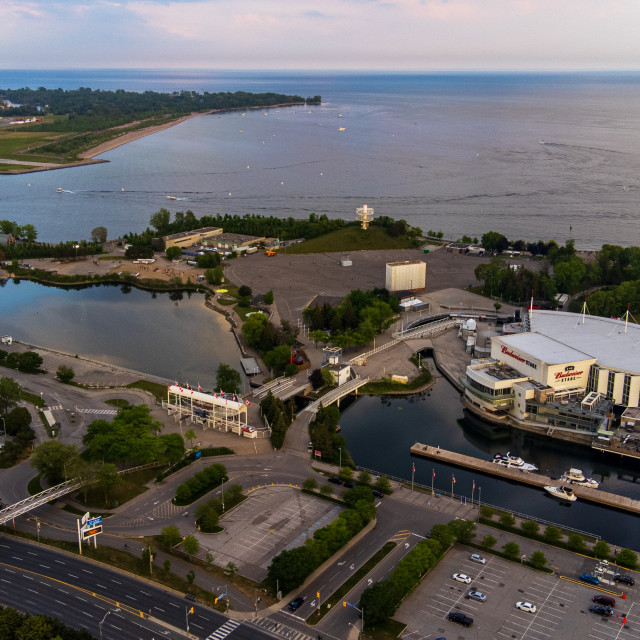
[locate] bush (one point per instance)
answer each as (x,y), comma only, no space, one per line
(576,543)
(65,374)
(488,542)
(310,484)
(244,291)
(538,560)
(507,520)
(487,512)
(601,549)
(627,558)
(552,535)
(511,549)
(200,483)
(530,528)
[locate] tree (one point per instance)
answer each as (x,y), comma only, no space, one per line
(231,569)
(552,535)
(494,241)
(575,542)
(378,603)
(627,558)
(170,536)
(507,520)
(10,392)
(268,297)
(244,291)
(351,496)
(227,379)
(364,478)
(190,436)
(277,359)
(310,484)
(191,576)
(316,379)
(29,362)
(50,459)
(601,549)
(160,220)
(214,276)
(173,253)
(167,566)
(317,336)
(488,542)
(207,517)
(17,420)
(190,545)
(99,235)
(464,530)
(443,534)
(65,374)
(107,478)
(538,560)
(326,489)
(511,549)
(327,377)
(530,528)
(383,484)
(346,474)
(29,233)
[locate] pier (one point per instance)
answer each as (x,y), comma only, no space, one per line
(525,477)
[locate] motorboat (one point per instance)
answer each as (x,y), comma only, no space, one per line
(575,476)
(563,493)
(59,190)
(171,197)
(513,461)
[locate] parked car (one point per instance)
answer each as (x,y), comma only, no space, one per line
(190,596)
(476,595)
(608,601)
(377,494)
(296,603)
(460,618)
(349,485)
(590,578)
(601,610)
(624,579)
(526,606)
(461,577)
(475,557)
(335,480)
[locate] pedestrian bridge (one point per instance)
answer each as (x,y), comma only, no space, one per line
(335,394)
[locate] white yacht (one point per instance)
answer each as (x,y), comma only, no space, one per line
(513,461)
(575,476)
(563,493)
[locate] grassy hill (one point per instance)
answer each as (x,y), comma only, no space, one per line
(352,239)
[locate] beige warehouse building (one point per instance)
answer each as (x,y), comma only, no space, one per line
(408,275)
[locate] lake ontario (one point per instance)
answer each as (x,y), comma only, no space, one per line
(535,156)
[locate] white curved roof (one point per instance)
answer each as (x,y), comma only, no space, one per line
(601,338)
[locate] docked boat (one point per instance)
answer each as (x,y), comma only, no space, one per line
(563,493)
(575,476)
(513,461)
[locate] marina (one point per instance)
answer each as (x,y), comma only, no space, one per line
(509,473)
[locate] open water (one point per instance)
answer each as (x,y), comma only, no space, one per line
(534,156)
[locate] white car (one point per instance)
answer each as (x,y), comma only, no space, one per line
(460,577)
(474,557)
(526,606)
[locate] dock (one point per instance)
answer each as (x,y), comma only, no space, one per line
(524,477)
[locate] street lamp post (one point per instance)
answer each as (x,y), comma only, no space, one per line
(76,247)
(222,494)
(102,622)
(257,599)
(360,611)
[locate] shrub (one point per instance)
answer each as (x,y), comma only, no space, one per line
(538,560)
(552,535)
(627,558)
(487,512)
(576,542)
(65,374)
(507,520)
(511,549)
(244,291)
(530,528)
(364,478)
(310,484)
(601,549)
(488,542)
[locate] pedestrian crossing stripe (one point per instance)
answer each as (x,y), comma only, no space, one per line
(56,408)
(224,630)
(279,628)
(400,536)
(102,412)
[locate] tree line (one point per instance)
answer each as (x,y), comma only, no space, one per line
(111,106)
(20,626)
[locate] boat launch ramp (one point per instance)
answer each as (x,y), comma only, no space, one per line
(525,477)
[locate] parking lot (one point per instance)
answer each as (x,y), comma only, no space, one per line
(562,606)
(272,519)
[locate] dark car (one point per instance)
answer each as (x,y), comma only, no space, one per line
(190,596)
(296,603)
(335,480)
(460,618)
(624,579)
(608,601)
(377,494)
(601,610)
(349,485)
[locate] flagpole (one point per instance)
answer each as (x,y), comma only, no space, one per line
(479,497)
(413,471)
(473,488)
(433,475)
(452,481)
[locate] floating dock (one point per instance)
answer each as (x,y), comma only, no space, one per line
(525,477)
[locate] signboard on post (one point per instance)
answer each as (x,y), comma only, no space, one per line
(92,522)
(89,532)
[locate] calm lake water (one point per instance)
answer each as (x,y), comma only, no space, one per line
(381,431)
(167,335)
(531,155)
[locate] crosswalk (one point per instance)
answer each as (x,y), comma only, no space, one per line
(99,412)
(224,630)
(166,510)
(57,407)
(278,628)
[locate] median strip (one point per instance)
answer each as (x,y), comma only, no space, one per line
(353,580)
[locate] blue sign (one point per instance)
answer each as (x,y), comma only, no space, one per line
(92,522)
(198,454)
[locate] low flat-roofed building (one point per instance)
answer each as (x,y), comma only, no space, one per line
(407,275)
(189,238)
(233,241)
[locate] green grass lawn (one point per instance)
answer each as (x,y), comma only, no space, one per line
(350,239)
(132,485)
(158,390)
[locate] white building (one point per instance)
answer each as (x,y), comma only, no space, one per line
(566,372)
(408,275)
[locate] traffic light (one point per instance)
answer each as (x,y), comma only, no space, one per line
(344,603)
(191,610)
(215,601)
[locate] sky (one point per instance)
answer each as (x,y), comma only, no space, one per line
(402,35)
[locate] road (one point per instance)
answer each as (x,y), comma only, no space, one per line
(42,580)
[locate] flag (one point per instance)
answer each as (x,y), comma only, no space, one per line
(214,394)
(188,387)
(453,479)
(168,386)
(199,387)
(414,467)
(234,397)
(248,403)
(434,472)
(222,393)
(176,382)
(474,485)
